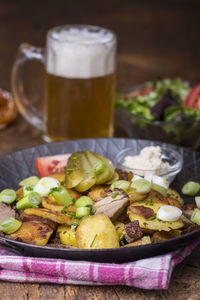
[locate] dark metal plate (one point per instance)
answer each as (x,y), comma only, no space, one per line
(21,164)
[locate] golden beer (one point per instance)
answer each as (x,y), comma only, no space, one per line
(79,108)
(80,82)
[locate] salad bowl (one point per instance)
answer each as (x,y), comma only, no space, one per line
(16,166)
(163,111)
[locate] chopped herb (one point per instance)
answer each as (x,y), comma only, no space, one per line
(73,200)
(122,236)
(86,172)
(149,200)
(70,213)
(55,189)
(140,201)
(69,171)
(29,188)
(74,157)
(133,189)
(114,195)
(122,243)
(153,218)
(94,210)
(93,241)
(170,223)
(62,182)
(63,209)
(118,227)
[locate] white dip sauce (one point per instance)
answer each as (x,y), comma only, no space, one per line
(150,158)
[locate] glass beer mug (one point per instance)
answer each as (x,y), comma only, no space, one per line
(79,87)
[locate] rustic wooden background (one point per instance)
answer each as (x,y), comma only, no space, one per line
(155,38)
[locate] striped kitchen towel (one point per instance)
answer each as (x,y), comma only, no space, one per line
(150,273)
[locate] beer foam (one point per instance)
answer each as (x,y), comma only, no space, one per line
(80,52)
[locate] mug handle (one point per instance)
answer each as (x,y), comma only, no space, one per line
(26,52)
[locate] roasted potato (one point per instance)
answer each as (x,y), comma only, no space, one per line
(67,235)
(20,194)
(174,194)
(34,232)
(164,235)
(51,215)
(59,176)
(46,203)
(96,192)
(119,226)
(97,232)
(143,241)
(154,202)
(134,196)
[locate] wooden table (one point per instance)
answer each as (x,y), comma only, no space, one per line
(156,38)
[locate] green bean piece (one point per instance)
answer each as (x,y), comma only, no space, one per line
(29,181)
(99,167)
(32,199)
(84,201)
(191,188)
(83,211)
(10,225)
(120,184)
(8,196)
(61,196)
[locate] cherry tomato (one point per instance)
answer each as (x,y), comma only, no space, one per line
(51,164)
(193,98)
(147,90)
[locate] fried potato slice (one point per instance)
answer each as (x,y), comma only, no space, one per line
(174,202)
(143,241)
(96,192)
(74,194)
(154,202)
(134,196)
(26,218)
(175,195)
(51,215)
(46,203)
(20,194)
(34,232)
(97,232)
(160,236)
(59,176)
(67,235)
(119,226)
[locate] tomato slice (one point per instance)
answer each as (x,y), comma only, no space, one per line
(193,98)
(147,90)
(47,165)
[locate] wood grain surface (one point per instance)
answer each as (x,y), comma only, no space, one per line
(156,38)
